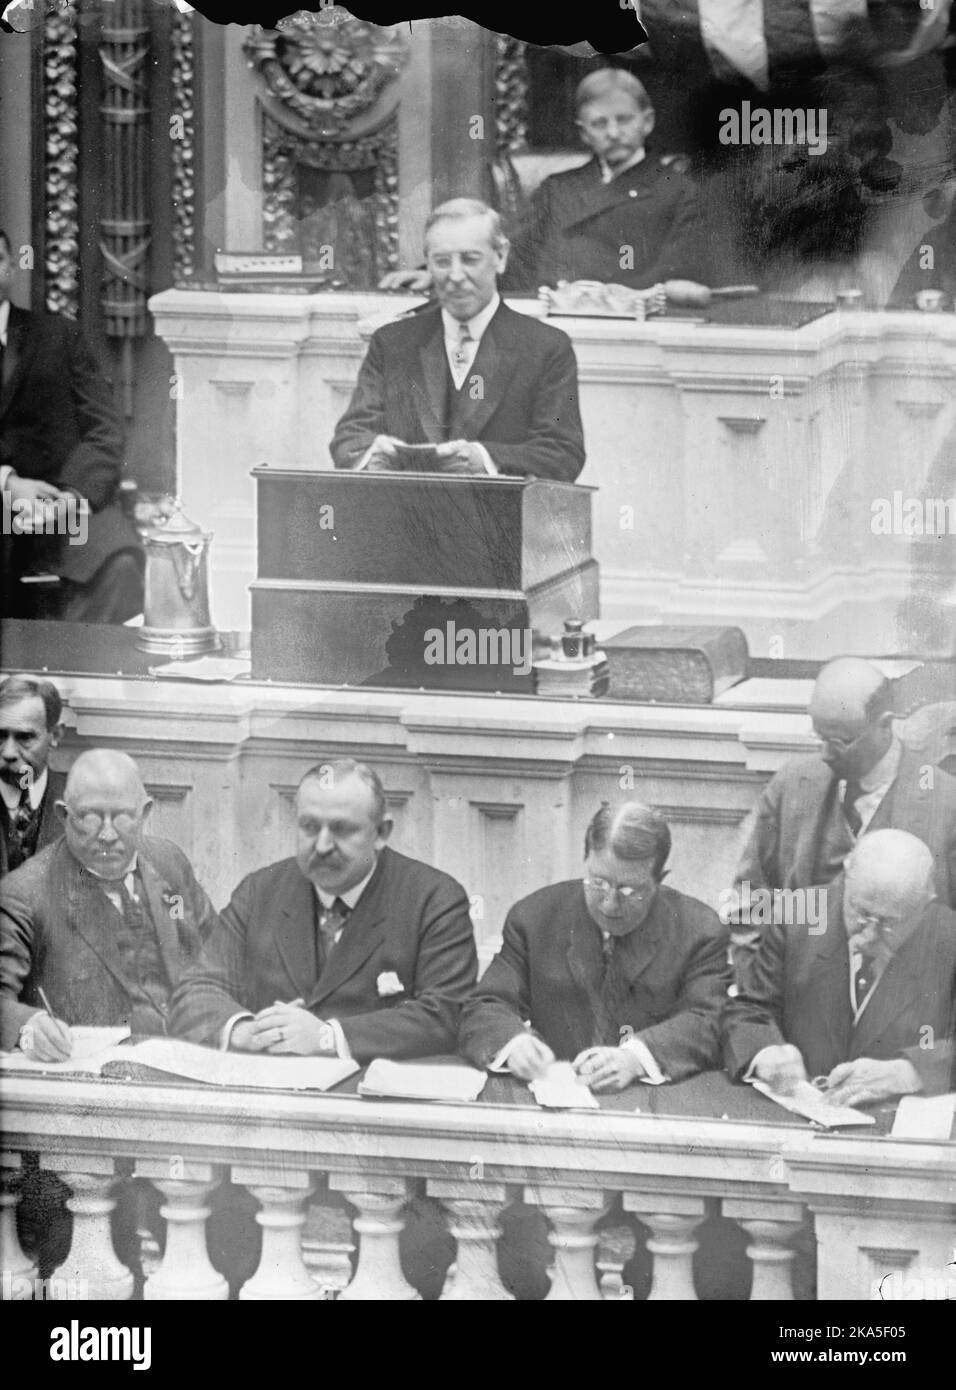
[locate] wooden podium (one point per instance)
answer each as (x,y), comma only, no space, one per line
(378,579)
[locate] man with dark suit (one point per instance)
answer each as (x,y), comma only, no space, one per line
(624,217)
(30,729)
(103,921)
(61,455)
(348,949)
(866,1003)
(495,391)
(622,976)
(813,811)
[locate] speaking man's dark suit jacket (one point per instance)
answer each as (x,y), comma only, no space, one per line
(577,226)
(50,825)
(796,989)
(549,970)
(57,423)
(798,834)
(55,934)
(411,921)
(527,416)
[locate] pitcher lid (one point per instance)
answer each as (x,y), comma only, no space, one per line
(174,528)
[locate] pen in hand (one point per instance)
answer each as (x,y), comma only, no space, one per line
(51,1039)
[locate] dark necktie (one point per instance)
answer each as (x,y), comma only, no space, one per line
(142,959)
(851,794)
(612,1000)
(862,980)
(24,825)
(331,921)
(460,355)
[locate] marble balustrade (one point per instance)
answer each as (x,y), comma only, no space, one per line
(880,1210)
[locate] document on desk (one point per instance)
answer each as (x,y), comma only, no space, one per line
(422,1081)
(560,1088)
(92,1048)
(242,1069)
(812,1104)
(925,1117)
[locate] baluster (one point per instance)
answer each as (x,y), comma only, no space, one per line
(91,1269)
(771,1226)
(672,1221)
(474,1209)
(185,1271)
(378,1273)
(282,1196)
(18,1271)
(572,1216)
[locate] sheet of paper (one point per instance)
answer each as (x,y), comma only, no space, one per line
(925,1117)
(561,1089)
(812,1104)
(205,668)
(421,1081)
(92,1048)
(240,1069)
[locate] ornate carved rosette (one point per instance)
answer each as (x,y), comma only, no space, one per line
(183,146)
(125,226)
(61,256)
(511,94)
(330,99)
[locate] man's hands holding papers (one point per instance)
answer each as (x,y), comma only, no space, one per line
(608,1068)
(529,1057)
(780,1066)
(46,1039)
(284,1030)
(866,1080)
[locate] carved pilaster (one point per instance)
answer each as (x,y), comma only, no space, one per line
(61,259)
(511,94)
(183,147)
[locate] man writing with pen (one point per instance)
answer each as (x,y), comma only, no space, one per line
(97,928)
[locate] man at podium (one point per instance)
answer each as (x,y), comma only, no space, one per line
(466,385)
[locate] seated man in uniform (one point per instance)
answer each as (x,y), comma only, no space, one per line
(495,391)
(868,1002)
(616,973)
(624,217)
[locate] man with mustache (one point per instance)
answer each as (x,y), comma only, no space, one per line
(348,949)
(30,729)
(815,809)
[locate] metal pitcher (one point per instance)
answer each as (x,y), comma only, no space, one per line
(176,608)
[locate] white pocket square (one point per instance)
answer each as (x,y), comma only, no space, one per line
(388,983)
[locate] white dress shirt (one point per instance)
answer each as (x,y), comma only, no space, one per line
(11,793)
(875,784)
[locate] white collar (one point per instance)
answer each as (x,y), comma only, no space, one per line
(351,895)
(11,795)
(882,775)
(476,326)
(4,318)
(608,175)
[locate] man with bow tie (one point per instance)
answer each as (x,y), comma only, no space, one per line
(30,729)
(616,973)
(494,391)
(348,949)
(865,1005)
(102,921)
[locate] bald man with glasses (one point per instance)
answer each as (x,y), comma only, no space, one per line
(615,972)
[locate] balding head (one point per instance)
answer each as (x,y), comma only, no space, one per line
(851,709)
(104,810)
(890,880)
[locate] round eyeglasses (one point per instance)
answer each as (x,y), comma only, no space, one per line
(627,892)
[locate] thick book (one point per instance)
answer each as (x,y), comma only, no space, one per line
(677,665)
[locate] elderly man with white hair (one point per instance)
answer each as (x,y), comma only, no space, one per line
(861,996)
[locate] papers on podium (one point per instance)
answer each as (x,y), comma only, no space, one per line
(447,1081)
(925,1117)
(560,1088)
(813,1105)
